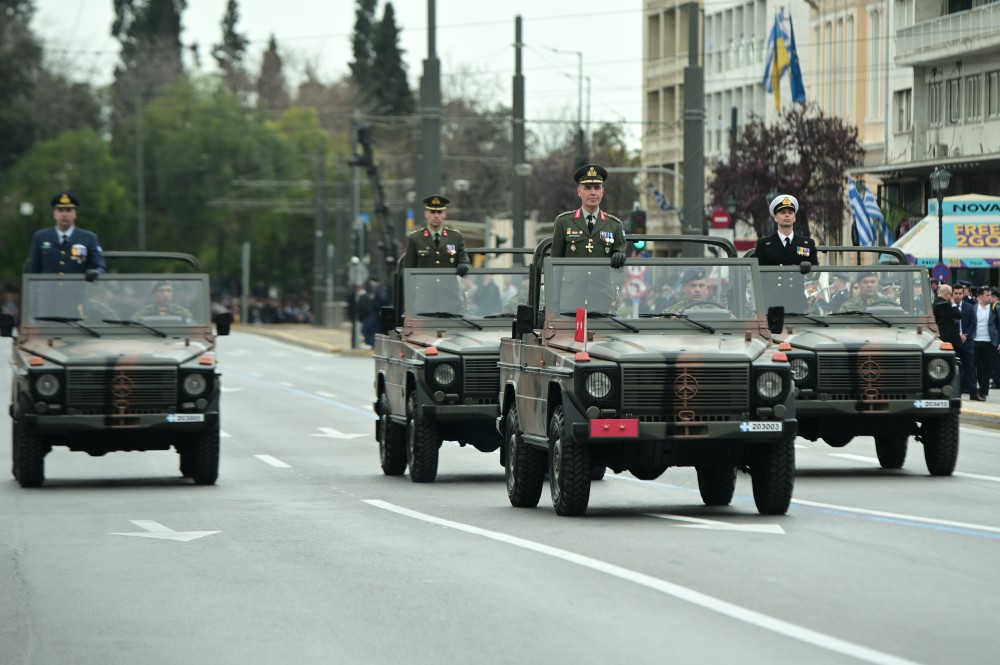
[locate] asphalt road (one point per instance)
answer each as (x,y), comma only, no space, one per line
(304,552)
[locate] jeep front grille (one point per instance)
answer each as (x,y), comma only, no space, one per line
(686,392)
(855,376)
(115,391)
(482,376)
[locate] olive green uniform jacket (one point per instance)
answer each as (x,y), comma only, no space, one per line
(421,252)
(571,238)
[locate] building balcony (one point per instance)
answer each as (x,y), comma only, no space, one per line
(950,37)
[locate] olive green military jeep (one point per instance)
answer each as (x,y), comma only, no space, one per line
(869,364)
(436,376)
(598,376)
(97,370)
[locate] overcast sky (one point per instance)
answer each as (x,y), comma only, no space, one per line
(473,35)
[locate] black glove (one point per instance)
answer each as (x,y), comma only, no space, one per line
(92,274)
(617,260)
(462,269)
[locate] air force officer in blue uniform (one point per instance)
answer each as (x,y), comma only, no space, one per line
(66,248)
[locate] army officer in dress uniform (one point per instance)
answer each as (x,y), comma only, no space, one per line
(435,245)
(66,248)
(588,230)
(784,247)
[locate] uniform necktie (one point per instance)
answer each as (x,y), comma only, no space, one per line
(590,223)
(787,241)
(65,241)
(437,240)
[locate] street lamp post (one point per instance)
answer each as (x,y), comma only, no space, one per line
(940,179)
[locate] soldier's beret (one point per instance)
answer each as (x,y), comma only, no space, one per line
(64,200)
(436,202)
(590,173)
(783,201)
(841,275)
(692,274)
(867,273)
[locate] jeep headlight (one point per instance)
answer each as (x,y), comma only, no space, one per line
(769,385)
(444,374)
(800,368)
(598,385)
(195,384)
(938,369)
(47,385)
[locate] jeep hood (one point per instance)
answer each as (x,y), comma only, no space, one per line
(857,339)
(130,350)
(473,342)
(665,348)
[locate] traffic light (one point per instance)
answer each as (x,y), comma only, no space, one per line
(637,220)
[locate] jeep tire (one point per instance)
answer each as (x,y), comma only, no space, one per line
(940,439)
(891,449)
(717,484)
(525,465)
(772,470)
(569,469)
(422,444)
(391,441)
(203,454)
(29,458)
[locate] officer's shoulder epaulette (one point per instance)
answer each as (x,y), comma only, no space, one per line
(610,216)
(452,229)
(563,214)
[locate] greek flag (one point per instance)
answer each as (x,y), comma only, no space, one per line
(876,217)
(866,231)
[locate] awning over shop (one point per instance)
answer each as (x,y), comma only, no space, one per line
(970,234)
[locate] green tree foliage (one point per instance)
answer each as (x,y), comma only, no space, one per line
(362,46)
(806,154)
(229,55)
(390,93)
(60,105)
(272,89)
(81,162)
(20,67)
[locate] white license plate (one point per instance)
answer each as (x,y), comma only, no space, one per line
(760,427)
(930,404)
(185,417)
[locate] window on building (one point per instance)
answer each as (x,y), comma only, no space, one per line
(903,103)
(974,97)
(934,103)
(993,94)
(954,101)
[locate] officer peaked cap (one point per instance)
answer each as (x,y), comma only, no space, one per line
(436,202)
(590,174)
(64,200)
(782,201)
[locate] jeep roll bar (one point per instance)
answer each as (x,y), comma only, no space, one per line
(155,256)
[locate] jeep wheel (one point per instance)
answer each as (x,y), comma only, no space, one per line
(204,458)
(29,458)
(891,449)
(940,438)
(184,452)
(597,472)
(422,445)
(391,441)
(717,484)
(772,470)
(525,466)
(569,469)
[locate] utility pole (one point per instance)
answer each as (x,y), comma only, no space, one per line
(693,221)
(140,174)
(517,184)
(319,241)
(429,158)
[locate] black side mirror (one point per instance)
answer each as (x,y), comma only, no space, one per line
(525,322)
(387,316)
(805,267)
(6,325)
(223,322)
(775,318)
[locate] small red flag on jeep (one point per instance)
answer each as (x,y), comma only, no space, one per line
(581,324)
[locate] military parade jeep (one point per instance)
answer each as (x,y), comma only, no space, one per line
(92,372)
(872,364)
(593,379)
(436,376)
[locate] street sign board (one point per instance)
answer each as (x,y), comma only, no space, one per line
(636,287)
(941,273)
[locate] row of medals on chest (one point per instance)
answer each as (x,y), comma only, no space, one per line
(607,237)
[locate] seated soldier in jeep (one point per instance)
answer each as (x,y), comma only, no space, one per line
(163,304)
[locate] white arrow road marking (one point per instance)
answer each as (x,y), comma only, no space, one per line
(224,435)
(330,433)
(874,460)
(157,530)
(685,594)
(232,390)
(286,384)
(717,525)
(325,394)
(273,461)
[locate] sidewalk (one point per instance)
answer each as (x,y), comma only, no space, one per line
(338,340)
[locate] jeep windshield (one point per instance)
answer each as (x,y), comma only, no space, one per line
(483,294)
(655,291)
(878,292)
(161,302)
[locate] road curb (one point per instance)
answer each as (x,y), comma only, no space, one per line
(983,419)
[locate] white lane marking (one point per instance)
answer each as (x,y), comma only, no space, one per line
(224,434)
(231,390)
(874,460)
(330,433)
(157,530)
(685,594)
(719,525)
(286,384)
(900,516)
(273,461)
(981,432)
(326,394)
